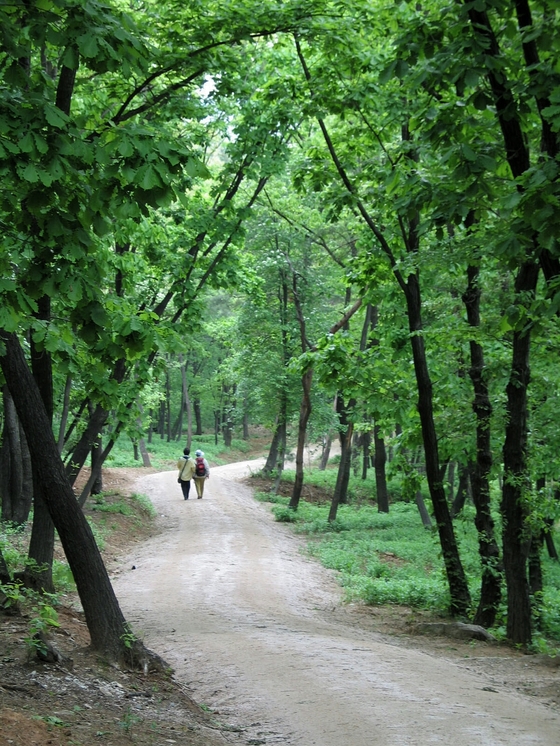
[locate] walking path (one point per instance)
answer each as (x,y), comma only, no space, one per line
(246,620)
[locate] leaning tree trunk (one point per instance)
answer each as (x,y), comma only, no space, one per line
(479,471)
(514,531)
(106,623)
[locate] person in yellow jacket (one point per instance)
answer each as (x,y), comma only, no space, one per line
(186,468)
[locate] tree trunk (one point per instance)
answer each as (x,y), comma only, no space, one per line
(187,402)
(41,543)
(5,578)
(22,507)
(340,496)
(84,445)
(12,471)
(168,405)
(96,455)
(462,491)
(304,414)
(272,458)
(197,416)
(479,470)
(421,505)
(366,456)
(64,413)
(380,474)
(451,482)
(514,531)
(458,588)
(327,442)
(145,455)
(104,618)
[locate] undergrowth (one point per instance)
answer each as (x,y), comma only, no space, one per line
(390,558)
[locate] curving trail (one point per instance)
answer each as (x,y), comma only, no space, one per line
(226,597)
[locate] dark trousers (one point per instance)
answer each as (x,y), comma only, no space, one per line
(186,486)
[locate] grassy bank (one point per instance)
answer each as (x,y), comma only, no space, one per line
(391,558)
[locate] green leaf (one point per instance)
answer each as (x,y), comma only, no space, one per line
(87,44)
(30,173)
(27,143)
(55,117)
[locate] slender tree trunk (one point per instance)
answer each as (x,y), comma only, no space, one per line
(479,470)
(88,438)
(22,506)
(304,414)
(327,442)
(380,474)
(366,456)
(104,618)
(340,495)
(168,405)
(549,539)
(12,471)
(5,578)
(421,505)
(462,491)
(451,482)
(272,458)
(197,416)
(144,453)
(187,401)
(458,588)
(514,532)
(64,414)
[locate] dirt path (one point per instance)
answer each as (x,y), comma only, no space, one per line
(254,629)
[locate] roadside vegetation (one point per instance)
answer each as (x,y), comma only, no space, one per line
(392,558)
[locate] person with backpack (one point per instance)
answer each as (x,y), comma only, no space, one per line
(201,473)
(186,466)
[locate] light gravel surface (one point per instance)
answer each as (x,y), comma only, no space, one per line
(256,630)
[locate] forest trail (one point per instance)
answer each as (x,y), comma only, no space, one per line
(257,633)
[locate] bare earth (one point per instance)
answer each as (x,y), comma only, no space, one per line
(259,635)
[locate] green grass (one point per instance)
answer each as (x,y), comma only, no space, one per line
(390,558)
(164,455)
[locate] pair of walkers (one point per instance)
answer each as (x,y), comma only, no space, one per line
(196,469)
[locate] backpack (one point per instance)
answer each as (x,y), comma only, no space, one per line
(200,469)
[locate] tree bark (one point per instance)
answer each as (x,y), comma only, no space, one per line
(479,470)
(514,532)
(458,588)
(421,505)
(12,465)
(64,413)
(304,414)
(462,491)
(197,416)
(380,463)
(104,618)
(340,495)
(5,578)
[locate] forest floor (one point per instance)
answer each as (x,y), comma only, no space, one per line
(83,701)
